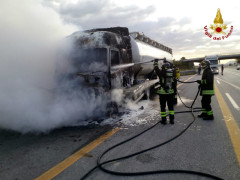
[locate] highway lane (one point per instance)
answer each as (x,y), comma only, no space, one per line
(230,90)
(205,147)
(26,156)
(229,83)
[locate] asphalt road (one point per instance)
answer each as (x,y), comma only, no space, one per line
(69,153)
(229,83)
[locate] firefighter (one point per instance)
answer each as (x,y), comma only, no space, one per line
(165,91)
(176,74)
(207,91)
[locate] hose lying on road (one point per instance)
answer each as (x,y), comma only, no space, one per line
(101,164)
(186,81)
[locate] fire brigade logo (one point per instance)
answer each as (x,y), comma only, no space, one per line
(218,28)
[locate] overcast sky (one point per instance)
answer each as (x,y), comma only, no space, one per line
(176,24)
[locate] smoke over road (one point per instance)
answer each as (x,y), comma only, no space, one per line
(29,36)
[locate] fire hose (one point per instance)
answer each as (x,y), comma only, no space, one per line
(100,164)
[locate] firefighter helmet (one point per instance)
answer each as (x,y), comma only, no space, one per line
(205,64)
(166,66)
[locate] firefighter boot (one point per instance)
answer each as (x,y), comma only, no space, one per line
(202,115)
(164,120)
(171,117)
(208,117)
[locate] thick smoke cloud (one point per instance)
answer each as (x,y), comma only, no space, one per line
(29,37)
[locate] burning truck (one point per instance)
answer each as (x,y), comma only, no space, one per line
(112,58)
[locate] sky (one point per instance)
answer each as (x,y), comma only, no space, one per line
(176,24)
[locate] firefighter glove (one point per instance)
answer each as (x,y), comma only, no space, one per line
(199,81)
(155,63)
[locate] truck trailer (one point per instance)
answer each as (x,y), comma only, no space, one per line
(113,58)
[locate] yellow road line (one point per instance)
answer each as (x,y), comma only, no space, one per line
(51,173)
(231,124)
(186,80)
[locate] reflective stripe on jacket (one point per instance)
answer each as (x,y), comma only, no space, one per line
(162,91)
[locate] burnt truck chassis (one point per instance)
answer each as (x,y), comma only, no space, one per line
(134,88)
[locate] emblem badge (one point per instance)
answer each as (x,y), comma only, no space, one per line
(218,28)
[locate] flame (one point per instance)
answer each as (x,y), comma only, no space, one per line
(218,19)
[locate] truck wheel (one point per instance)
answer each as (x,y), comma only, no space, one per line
(153,93)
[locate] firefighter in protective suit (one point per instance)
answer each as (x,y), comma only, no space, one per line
(207,91)
(176,73)
(166,91)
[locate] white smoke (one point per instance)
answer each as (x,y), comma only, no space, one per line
(135,114)
(29,36)
(30,98)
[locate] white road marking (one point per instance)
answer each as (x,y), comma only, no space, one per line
(229,83)
(232,101)
(236,74)
(218,82)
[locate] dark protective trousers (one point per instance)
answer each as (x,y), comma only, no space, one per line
(206,104)
(166,99)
